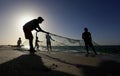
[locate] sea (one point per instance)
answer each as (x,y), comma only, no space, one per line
(111,49)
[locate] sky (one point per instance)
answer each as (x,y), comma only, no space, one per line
(62,17)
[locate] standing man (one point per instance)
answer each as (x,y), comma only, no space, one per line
(29,27)
(48,41)
(86,36)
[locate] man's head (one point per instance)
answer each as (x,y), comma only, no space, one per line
(40,19)
(86,29)
(19,38)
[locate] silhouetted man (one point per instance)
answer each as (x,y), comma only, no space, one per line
(36,42)
(48,41)
(86,36)
(29,27)
(19,42)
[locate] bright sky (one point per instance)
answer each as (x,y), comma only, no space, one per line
(62,17)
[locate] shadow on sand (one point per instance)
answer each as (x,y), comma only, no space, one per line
(105,68)
(28,65)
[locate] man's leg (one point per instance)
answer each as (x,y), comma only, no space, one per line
(50,46)
(91,45)
(31,45)
(47,46)
(87,48)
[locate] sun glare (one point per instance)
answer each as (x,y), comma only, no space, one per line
(24,19)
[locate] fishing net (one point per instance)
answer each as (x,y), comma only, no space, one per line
(60,43)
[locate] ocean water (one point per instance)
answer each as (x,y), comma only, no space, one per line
(114,49)
(109,49)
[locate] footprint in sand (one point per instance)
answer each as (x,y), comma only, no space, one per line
(53,66)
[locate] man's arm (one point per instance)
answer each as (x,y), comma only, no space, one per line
(51,38)
(41,30)
(82,35)
(90,36)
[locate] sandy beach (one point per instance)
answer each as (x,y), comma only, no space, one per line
(14,62)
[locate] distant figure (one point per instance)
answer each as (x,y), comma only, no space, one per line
(36,42)
(48,42)
(29,27)
(86,36)
(19,42)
